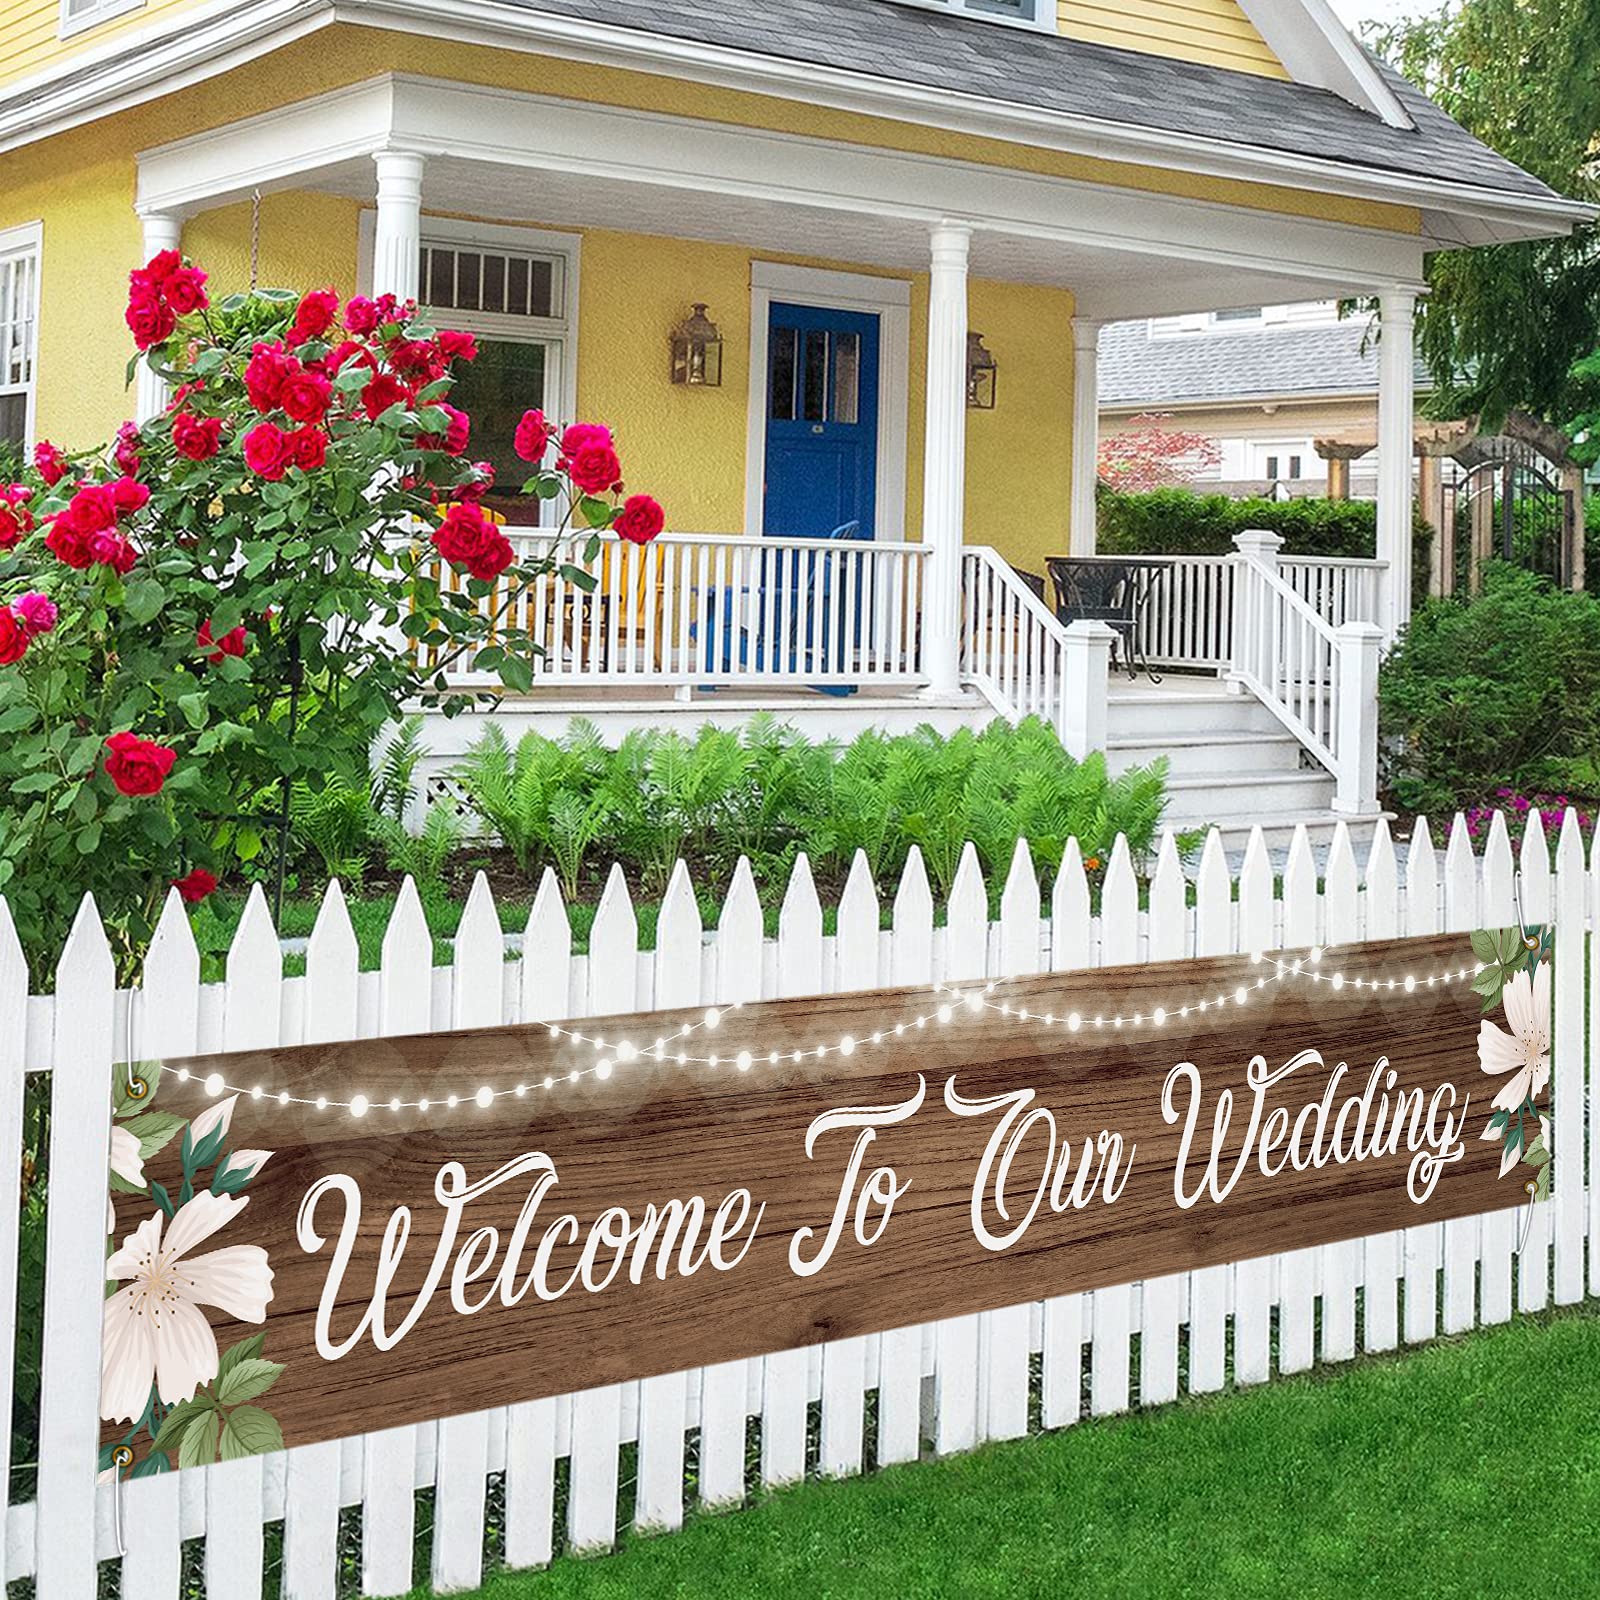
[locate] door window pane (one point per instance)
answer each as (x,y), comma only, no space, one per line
(847,377)
(785,346)
(815,383)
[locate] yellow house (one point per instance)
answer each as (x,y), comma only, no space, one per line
(906,220)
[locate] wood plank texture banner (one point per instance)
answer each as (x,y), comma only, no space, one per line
(472,1219)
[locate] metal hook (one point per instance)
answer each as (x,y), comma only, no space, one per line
(1530,1189)
(138,1086)
(121,1460)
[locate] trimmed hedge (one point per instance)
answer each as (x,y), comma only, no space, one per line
(1180,522)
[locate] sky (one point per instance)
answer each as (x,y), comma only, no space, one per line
(1355,12)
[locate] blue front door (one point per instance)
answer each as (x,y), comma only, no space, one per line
(822,421)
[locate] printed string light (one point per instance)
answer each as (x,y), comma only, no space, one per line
(955,1000)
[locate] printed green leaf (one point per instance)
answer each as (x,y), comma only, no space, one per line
(1510,945)
(150,1466)
(154,1130)
(250,1431)
(247,1380)
(178,1419)
(124,1103)
(198,1446)
(1484,945)
(1541,1187)
(246,1350)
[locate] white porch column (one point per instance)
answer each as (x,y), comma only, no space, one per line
(1396,444)
(944,480)
(161,230)
(397,241)
(1085,433)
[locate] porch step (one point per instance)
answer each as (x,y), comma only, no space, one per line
(1162,713)
(1239,801)
(1197,754)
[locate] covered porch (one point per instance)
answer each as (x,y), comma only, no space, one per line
(922,607)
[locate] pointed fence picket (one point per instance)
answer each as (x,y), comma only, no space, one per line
(947,1385)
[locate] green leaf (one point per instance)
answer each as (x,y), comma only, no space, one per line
(246,1350)
(178,1419)
(195,708)
(1484,946)
(250,1431)
(145,598)
(89,839)
(246,1380)
(198,1445)
(154,1130)
(247,844)
(516,674)
(123,1102)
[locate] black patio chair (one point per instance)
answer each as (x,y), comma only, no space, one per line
(1109,591)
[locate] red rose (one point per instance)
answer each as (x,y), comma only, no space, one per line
(349,351)
(306,396)
(93,508)
(584,435)
(195,886)
(197,438)
(595,468)
(68,542)
(308,448)
(313,316)
(466,538)
(125,454)
(265,375)
(477,486)
(456,346)
(149,317)
(641,520)
(268,451)
(138,766)
(233,643)
(111,549)
(49,462)
(360,315)
(15,521)
(127,495)
(381,393)
(532,437)
(185,290)
(162,265)
(415,356)
(458,429)
(13,637)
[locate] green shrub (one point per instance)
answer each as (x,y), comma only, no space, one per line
(1181,522)
(770,793)
(1499,691)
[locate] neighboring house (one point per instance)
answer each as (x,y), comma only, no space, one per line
(1266,383)
(855,190)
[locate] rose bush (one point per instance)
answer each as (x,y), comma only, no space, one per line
(239,594)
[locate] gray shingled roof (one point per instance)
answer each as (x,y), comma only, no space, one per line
(1142,371)
(944,50)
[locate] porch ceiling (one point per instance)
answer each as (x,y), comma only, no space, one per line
(523,158)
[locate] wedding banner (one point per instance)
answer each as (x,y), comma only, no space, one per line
(316,1242)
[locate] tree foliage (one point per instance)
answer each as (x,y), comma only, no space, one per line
(1504,326)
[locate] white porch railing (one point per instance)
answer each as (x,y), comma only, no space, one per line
(1320,681)
(1012,647)
(1188,619)
(724,611)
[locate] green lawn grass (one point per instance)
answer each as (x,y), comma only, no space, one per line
(1468,1468)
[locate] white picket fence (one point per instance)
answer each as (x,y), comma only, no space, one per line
(944,1386)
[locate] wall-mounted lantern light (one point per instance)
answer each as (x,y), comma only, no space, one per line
(983,373)
(697,352)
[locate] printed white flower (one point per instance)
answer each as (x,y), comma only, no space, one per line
(246,1162)
(154,1329)
(208,1121)
(127,1162)
(1524,1052)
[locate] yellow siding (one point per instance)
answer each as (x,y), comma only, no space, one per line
(30,33)
(1214,32)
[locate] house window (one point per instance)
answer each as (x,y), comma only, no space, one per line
(1022,13)
(19,327)
(76,15)
(516,289)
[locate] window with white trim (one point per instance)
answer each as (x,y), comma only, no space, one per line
(76,15)
(1021,13)
(19,333)
(516,290)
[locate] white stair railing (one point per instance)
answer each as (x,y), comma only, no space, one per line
(1024,661)
(1319,681)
